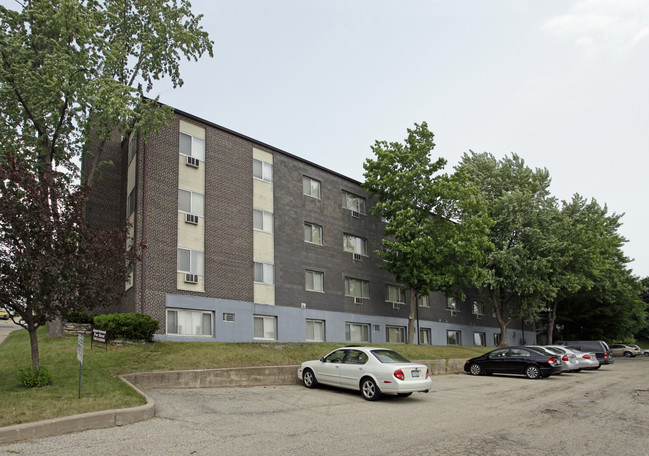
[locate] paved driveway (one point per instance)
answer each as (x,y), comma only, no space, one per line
(599,412)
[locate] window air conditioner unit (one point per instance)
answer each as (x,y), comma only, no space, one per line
(479,317)
(395,306)
(356,257)
(358,300)
(453,313)
(356,214)
(193,162)
(191,278)
(191,218)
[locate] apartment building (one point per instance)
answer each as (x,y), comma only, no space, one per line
(246,242)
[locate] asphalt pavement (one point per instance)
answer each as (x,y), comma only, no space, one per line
(6,326)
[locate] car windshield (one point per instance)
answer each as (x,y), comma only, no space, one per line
(389,356)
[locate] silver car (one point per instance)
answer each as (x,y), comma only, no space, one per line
(586,361)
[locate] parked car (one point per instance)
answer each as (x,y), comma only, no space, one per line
(626,350)
(587,361)
(373,371)
(4,315)
(599,347)
(514,360)
(644,352)
(568,360)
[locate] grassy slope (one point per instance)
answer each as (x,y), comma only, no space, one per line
(101,389)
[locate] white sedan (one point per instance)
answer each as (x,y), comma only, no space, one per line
(373,371)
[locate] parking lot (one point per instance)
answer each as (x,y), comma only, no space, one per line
(596,412)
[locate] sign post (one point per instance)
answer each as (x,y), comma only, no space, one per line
(80,358)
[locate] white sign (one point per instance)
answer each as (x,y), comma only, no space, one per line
(80,348)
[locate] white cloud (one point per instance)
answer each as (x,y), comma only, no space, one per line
(603,25)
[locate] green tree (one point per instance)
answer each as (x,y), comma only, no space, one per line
(519,202)
(436,227)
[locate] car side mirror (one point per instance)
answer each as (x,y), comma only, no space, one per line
(322,360)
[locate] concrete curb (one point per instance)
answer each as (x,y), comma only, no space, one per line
(199,378)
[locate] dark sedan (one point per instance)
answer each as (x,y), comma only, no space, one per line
(514,360)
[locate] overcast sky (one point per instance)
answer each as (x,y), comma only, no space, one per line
(562,83)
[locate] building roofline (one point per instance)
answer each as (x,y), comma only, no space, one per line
(262,144)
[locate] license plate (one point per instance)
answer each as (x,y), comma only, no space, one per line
(415,374)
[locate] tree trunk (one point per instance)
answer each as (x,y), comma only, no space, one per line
(502,322)
(55,328)
(33,341)
(552,318)
(411,316)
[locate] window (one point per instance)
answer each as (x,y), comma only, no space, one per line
(192,146)
(497,339)
(314,281)
(395,334)
(357,288)
(451,304)
(453,337)
(395,294)
(264,273)
(315,331)
(189,322)
(479,339)
(478,308)
(357,332)
(262,220)
(265,327)
(354,244)
(424,336)
(311,187)
(262,170)
(132,147)
(353,202)
(190,261)
(191,202)
(312,233)
(130,204)
(423,301)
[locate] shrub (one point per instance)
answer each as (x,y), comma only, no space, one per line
(75,316)
(129,326)
(30,379)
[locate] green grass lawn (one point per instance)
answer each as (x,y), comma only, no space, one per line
(101,389)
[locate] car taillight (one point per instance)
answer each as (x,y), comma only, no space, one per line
(552,361)
(399,374)
(605,355)
(427,373)
(565,358)
(587,356)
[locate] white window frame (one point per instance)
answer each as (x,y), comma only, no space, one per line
(313,284)
(196,146)
(268,327)
(196,318)
(395,294)
(482,336)
(454,333)
(262,170)
(395,334)
(311,187)
(451,303)
(354,244)
(196,203)
(309,230)
(353,202)
(423,301)
(477,308)
(264,273)
(428,336)
(361,328)
(352,285)
(196,261)
(315,330)
(266,219)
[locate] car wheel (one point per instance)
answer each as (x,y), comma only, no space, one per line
(628,354)
(532,371)
(308,378)
(646,353)
(475,369)
(369,390)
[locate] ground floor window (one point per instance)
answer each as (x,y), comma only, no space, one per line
(453,337)
(396,334)
(189,322)
(357,332)
(497,339)
(479,339)
(315,331)
(424,336)
(265,327)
